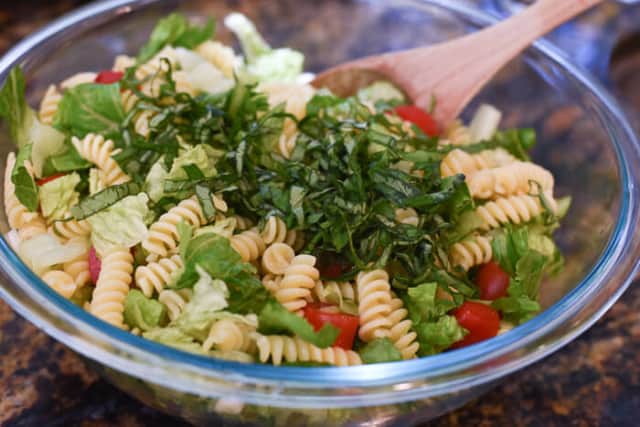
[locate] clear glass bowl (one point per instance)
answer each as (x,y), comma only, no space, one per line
(584,139)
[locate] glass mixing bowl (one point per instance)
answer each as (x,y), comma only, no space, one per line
(584,139)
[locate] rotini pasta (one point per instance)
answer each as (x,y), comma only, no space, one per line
(163,235)
(156,275)
(249,244)
(400,332)
(407,216)
(49,105)
(60,282)
(298,281)
(112,286)
(78,269)
(98,151)
(514,210)
(470,252)
(175,301)
(457,134)
(78,79)
(374,304)
(71,228)
(219,55)
(512,179)
(231,335)
(276,258)
(275,231)
(278,348)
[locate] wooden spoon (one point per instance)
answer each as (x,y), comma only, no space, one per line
(453,72)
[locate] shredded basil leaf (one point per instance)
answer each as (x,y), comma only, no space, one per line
(93,204)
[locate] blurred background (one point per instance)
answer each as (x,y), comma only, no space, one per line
(594,381)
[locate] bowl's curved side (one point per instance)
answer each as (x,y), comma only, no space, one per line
(379,385)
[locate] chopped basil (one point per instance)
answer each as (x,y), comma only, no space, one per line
(103,199)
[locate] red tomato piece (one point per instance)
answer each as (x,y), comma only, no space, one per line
(418,117)
(482,322)
(492,280)
(95,265)
(319,315)
(43,181)
(107,77)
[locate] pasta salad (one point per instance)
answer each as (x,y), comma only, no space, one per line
(220,204)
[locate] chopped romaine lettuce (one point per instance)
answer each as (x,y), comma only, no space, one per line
(175,30)
(44,250)
(174,337)
(58,196)
(263,62)
(142,312)
(380,350)
(122,224)
(47,142)
(224,228)
(201,74)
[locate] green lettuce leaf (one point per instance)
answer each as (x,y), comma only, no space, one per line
(381,91)
(263,62)
(123,224)
(26,189)
(175,30)
(380,350)
(47,142)
(174,337)
(436,330)
(67,161)
(58,196)
(45,250)
(209,297)
(275,319)
(14,109)
(91,108)
(142,312)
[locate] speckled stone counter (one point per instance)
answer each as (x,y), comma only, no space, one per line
(593,381)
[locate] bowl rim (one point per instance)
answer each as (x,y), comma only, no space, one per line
(423,377)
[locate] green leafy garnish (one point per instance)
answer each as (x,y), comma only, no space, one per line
(26,190)
(380,350)
(14,109)
(175,30)
(103,199)
(91,108)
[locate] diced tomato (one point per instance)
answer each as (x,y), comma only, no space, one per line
(492,280)
(43,181)
(418,117)
(319,315)
(107,77)
(482,322)
(95,265)
(332,265)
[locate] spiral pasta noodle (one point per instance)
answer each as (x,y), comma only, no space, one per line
(276,258)
(344,290)
(457,134)
(60,282)
(231,335)
(374,304)
(163,234)
(156,275)
(514,210)
(78,79)
(78,269)
(293,349)
(459,161)
(98,151)
(512,179)
(175,301)
(298,281)
(400,332)
(71,228)
(242,223)
(249,245)
(113,286)
(129,100)
(275,231)
(49,105)
(122,62)
(470,252)
(271,282)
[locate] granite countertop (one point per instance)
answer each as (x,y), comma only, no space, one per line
(595,380)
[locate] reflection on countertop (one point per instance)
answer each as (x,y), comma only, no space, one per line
(593,381)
